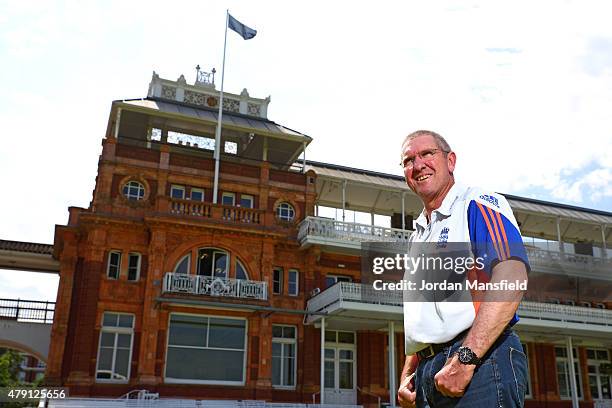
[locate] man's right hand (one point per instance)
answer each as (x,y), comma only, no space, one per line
(406,394)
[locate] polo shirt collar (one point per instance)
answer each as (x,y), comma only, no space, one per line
(445,208)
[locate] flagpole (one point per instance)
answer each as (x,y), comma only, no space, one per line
(220,117)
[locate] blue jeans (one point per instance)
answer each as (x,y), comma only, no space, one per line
(499,382)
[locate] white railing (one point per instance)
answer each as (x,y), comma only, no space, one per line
(559,261)
(602,403)
(214,286)
(565,313)
(353,292)
(357,292)
(350,231)
(180,403)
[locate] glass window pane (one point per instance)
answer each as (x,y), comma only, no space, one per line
(183,265)
(126,320)
(226,333)
(124,340)
(562,379)
(329,374)
(330,336)
(277,331)
(591,354)
(197,195)
(107,339)
(133,260)
(205,364)
(205,262)
(187,330)
(220,264)
(330,353)
(346,337)
(240,271)
(246,201)
(177,192)
(602,354)
(593,386)
(329,281)
(105,361)
(276,371)
(289,350)
(289,332)
(288,368)
(276,349)
(110,320)
(346,354)
(122,361)
(346,375)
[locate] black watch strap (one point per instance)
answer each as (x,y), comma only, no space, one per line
(467,356)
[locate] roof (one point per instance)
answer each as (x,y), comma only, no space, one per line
(395,182)
(29,247)
(203,113)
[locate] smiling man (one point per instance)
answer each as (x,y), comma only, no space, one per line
(462,354)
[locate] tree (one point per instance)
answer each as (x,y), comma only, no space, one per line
(9,368)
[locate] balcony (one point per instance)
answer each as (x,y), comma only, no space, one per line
(357,299)
(222,213)
(326,231)
(543,260)
(214,286)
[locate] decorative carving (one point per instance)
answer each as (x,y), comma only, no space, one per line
(253,109)
(231,105)
(168,92)
(194,98)
(212,101)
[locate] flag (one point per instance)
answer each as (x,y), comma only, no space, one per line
(245,32)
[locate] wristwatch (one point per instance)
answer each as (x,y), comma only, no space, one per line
(467,356)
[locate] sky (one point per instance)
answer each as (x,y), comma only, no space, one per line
(521,90)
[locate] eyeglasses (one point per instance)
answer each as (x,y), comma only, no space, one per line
(425,155)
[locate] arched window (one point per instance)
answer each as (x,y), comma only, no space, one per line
(182,266)
(133,190)
(241,272)
(212,262)
(285,211)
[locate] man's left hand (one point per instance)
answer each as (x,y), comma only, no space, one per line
(454,377)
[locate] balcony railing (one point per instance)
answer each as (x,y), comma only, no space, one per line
(216,211)
(349,231)
(563,262)
(356,292)
(214,286)
(353,292)
(27,310)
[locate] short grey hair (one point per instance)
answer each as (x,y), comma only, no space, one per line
(440,141)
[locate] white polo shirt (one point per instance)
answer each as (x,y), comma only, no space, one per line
(469,215)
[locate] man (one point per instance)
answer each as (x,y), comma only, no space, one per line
(462,354)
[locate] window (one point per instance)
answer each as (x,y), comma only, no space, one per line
(600,381)
(206,350)
(114,265)
(246,201)
(293,282)
(115,347)
(197,194)
(183,265)
(228,199)
(331,280)
(241,271)
(528,389)
(177,192)
(284,353)
(212,262)
(285,212)
(133,266)
(133,190)
(563,373)
(277,281)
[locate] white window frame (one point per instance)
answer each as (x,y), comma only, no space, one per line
(230,195)
(596,362)
(297,282)
(247,197)
(246,272)
(285,212)
(177,187)
(280,281)
(344,278)
(115,330)
(139,187)
(565,361)
(197,190)
(284,340)
(108,265)
(138,266)
(215,251)
(171,380)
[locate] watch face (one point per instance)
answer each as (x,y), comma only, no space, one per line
(465,355)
